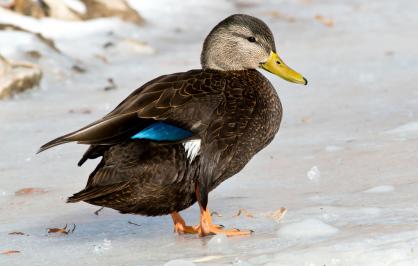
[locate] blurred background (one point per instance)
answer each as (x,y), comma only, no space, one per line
(344,165)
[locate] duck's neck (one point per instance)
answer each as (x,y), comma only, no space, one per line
(214,62)
(215,55)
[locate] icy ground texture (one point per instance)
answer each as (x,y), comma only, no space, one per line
(345,163)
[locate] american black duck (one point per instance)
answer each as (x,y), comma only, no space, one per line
(176,138)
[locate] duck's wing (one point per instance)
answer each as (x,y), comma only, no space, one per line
(185,100)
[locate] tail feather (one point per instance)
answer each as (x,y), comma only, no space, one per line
(53,143)
(103,131)
(96,192)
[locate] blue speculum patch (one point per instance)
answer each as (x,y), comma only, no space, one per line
(161,131)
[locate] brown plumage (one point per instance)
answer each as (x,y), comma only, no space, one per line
(232,114)
(238,113)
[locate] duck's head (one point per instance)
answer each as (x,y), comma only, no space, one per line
(242,42)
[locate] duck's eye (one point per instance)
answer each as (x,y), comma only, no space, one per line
(251,39)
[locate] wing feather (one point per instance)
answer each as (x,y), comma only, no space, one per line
(182,99)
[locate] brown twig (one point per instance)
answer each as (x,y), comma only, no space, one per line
(99,210)
(129,222)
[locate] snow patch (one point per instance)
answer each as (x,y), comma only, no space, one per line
(314,174)
(308,228)
(106,245)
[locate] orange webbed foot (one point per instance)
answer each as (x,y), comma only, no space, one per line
(207,227)
(180,226)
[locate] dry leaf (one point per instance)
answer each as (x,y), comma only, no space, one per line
(245,213)
(102,58)
(58,230)
(80,111)
(137,46)
(278,215)
(8,252)
(111,85)
(33,54)
(63,230)
(326,21)
(242,4)
(78,69)
(108,44)
(216,213)
(306,119)
(278,15)
(30,191)
(17,233)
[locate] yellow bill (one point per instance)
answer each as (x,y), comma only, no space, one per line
(276,66)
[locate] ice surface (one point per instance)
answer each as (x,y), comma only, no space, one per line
(363,80)
(239,262)
(380,189)
(219,243)
(308,228)
(179,263)
(333,148)
(409,130)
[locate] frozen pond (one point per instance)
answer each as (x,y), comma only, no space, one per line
(345,163)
